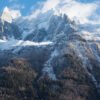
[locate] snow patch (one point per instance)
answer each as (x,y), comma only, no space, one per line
(54,53)
(48,68)
(43,25)
(18,44)
(49,71)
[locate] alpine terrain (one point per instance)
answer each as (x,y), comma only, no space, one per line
(48,57)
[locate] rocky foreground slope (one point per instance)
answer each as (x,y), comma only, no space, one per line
(46,58)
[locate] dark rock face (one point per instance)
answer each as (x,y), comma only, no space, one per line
(9,30)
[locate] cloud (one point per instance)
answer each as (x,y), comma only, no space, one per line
(32,8)
(50,4)
(79,11)
(17,6)
(15,13)
(74,9)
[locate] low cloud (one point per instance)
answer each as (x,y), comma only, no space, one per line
(74,9)
(17,6)
(15,13)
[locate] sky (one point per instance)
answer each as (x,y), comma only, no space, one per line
(25,6)
(82,10)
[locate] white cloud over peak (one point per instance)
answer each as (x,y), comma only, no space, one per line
(50,4)
(74,9)
(15,13)
(81,12)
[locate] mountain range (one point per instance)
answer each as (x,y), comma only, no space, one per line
(48,57)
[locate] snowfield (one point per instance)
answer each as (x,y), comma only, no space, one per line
(8,45)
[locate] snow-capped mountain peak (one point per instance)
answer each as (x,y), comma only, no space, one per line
(6,15)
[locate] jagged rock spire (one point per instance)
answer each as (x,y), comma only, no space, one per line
(6,16)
